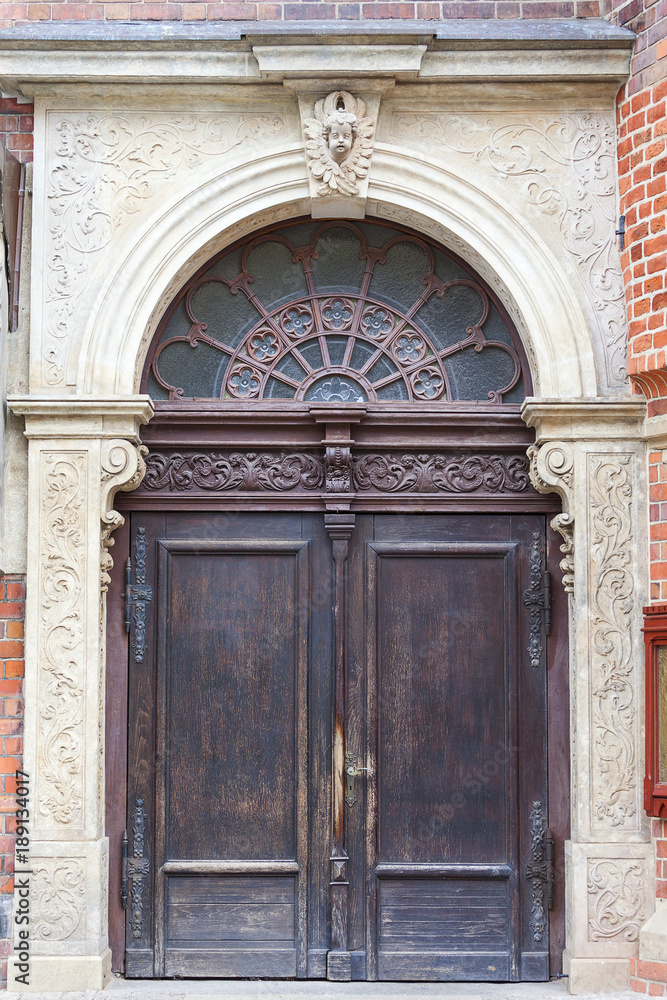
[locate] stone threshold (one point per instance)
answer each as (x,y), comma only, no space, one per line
(133,989)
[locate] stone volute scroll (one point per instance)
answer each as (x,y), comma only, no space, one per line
(339,131)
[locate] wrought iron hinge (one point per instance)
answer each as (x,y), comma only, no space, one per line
(123,878)
(135,870)
(137,596)
(537,598)
(540,871)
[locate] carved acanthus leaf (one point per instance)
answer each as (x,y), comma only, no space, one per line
(446,473)
(612,653)
(225,471)
(616,898)
(564,525)
(58,899)
(106,166)
(564,168)
(61,635)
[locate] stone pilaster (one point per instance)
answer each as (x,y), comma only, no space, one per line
(81,451)
(592,454)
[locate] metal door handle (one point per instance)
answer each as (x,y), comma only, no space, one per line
(352,772)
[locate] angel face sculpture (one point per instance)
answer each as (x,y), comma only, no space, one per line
(339,143)
(339,132)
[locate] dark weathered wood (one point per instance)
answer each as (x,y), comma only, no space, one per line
(558,682)
(116,741)
(339,527)
(429,603)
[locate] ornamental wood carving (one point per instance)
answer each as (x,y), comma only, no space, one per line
(336,469)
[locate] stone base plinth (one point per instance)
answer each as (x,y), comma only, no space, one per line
(596,975)
(62,973)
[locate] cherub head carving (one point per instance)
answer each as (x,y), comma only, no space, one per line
(339,131)
(339,143)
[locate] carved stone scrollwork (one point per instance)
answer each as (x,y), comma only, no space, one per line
(58,896)
(123,468)
(612,656)
(616,898)
(552,471)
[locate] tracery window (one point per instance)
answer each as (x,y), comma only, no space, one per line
(337,312)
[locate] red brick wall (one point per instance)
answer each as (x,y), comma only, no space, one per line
(16,128)
(211,10)
(12,603)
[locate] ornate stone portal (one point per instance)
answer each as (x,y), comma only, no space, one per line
(133,192)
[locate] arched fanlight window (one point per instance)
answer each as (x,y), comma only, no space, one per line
(337,312)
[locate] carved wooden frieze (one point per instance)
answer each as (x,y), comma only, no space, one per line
(233,472)
(409,472)
(365,473)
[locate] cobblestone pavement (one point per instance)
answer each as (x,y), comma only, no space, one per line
(121,989)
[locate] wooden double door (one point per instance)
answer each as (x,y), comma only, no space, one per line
(273,657)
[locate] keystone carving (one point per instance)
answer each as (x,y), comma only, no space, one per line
(339,143)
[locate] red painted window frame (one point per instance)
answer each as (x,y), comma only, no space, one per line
(655,635)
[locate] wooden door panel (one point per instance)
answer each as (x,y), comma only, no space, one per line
(441,662)
(451,700)
(233,643)
(443,929)
(225,742)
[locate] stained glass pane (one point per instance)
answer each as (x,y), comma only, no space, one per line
(399,280)
(228,317)
(336,389)
(338,266)
(337,347)
(276,277)
(290,312)
(198,371)
(474,376)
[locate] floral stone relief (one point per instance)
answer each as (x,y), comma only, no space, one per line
(563,167)
(104,167)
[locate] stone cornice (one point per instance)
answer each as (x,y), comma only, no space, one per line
(87,417)
(600,418)
(114,54)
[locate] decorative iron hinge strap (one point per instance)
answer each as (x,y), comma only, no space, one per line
(135,870)
(137,596)
(537,598)
(540,871)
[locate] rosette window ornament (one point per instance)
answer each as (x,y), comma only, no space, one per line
(337,312)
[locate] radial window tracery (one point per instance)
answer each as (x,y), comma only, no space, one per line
(337,312)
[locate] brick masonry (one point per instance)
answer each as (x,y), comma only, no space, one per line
(12,14)
(12,605)
(16,128)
